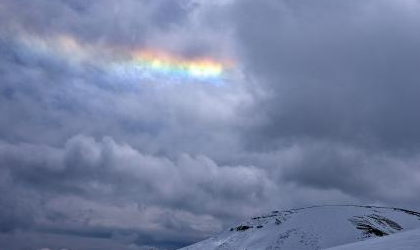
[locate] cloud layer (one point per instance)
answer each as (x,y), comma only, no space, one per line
(320,107)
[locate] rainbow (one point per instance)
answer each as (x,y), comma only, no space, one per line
(152,64)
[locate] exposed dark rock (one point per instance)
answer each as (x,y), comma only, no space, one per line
(369,225)
(243,228)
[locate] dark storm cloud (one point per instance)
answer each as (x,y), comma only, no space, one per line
(15,211)
(83,161)
(80,178)
(322,108)
(339,70)
(339,81)
(369,175)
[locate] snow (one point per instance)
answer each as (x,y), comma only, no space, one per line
(312,228)
(409,240)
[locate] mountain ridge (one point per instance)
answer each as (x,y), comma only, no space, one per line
(312,228)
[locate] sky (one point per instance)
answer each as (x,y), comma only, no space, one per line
(139,124)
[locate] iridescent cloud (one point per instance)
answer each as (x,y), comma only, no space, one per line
(142,63)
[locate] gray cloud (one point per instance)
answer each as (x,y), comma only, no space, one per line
(15,211)
(342,71)
(92,172)
(368,175)
(320,108)
(127,22)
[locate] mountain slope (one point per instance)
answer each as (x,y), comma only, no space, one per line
(409,240)
(311,228)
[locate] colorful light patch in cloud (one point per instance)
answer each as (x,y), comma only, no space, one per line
(150,64)
(170,64)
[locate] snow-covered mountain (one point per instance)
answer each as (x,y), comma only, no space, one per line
(408,240)
(312,228)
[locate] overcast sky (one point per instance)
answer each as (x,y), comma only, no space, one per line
(318,103)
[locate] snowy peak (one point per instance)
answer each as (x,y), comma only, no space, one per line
(312,228)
